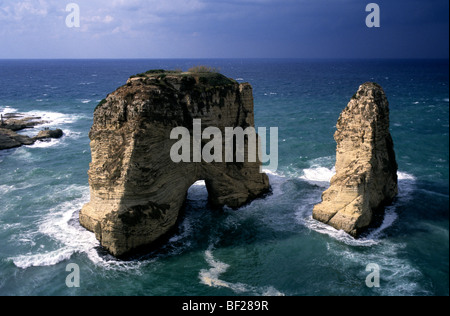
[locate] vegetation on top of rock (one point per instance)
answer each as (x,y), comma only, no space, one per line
(204,75)
(203,69)
(215,80)
(156,72)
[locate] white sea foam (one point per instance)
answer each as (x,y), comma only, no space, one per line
(56,142)
(43,259)
(304,216)
(62,226)
(85,101)
(7,227)
(321,176)
(6,188)
(46,143)
(390,216)
(7,110)
(399,276)
(53,118)
(276,180)
(211,277)
(405,176)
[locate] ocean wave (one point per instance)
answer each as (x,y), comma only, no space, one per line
(6,188)
(62,225)
(276,180)
(53,118)
(46,143)
(56,142)
(211,278)
(398,275)
(180,241)
(405,176)
(446,196)
(321,176)
(406,188)
(7,110)
(43,259)
(372,239)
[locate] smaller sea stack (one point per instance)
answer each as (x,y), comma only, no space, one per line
(366,169)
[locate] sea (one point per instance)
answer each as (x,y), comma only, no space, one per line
(271,247)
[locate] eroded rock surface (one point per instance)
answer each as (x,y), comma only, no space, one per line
(136,190)
(366,168)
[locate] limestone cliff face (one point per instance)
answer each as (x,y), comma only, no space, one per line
(366,168)
(136,190)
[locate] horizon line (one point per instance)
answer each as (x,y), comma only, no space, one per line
(229,58)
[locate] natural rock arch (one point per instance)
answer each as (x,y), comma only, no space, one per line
(136,190)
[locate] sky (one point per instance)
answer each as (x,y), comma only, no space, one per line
(224,29)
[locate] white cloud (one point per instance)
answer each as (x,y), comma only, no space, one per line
(19,10)
(97,19)
(159,6)
(30,7)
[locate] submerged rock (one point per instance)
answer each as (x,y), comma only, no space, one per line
(366,168)
(137,191)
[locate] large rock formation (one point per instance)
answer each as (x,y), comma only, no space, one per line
(137,191)
(366,168)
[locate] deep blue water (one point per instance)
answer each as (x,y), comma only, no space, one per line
(272,246)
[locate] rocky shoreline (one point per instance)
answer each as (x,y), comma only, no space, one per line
(12,123)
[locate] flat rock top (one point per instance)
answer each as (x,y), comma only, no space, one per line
(201,78)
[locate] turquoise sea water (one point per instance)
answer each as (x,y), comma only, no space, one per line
(270,247)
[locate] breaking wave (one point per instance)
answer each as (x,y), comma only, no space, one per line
(211,277)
